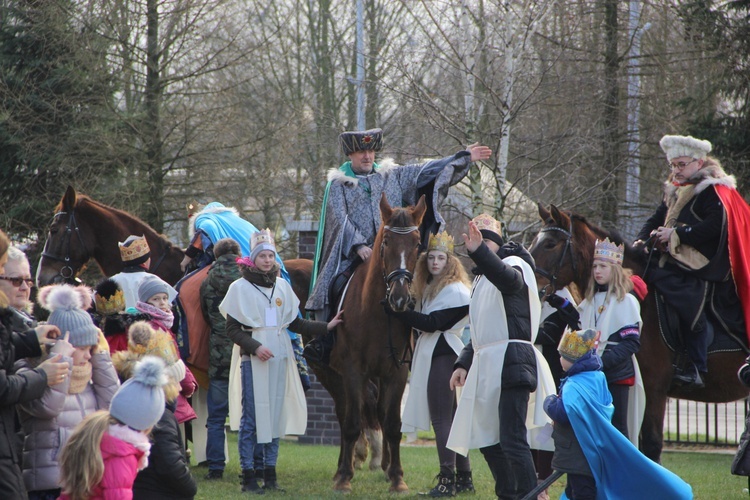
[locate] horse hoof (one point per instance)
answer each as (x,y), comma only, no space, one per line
(399,487)
(343,486)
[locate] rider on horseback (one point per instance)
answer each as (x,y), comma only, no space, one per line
(701,219)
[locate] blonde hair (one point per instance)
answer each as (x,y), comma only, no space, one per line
(619,284)
(427,286)
(81,463)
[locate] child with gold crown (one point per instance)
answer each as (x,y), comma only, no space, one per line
(599,461)
(441,291)
(611,310)
(259,307)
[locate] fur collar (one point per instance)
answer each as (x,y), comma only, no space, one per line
(337,176)
(208,210)
(712,175)
(137,439)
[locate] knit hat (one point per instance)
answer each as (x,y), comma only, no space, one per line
(680,145)
(490,228)
(367,140)
(67,305)
(151,285)
(574,344)
(261,240)
(109,297)
(134,250)
(442,242)
(144,340)
(139,402)
(607,251)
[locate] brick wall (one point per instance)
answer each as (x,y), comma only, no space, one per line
(322,424)
(306,244)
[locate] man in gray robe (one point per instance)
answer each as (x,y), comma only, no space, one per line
(350,216)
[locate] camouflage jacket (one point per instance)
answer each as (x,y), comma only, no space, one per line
(214,288)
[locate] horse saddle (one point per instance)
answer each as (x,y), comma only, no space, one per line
(338,285)
(669,325)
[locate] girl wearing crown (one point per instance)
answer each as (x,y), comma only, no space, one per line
(610,309)
(441,289)
(259,307)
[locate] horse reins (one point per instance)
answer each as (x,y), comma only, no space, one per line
(568,250)
(390,278)
(67,272)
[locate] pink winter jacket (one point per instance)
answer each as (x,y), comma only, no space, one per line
(122,461)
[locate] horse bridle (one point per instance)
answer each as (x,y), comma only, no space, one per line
(568,250)
(390,278)
(67,272)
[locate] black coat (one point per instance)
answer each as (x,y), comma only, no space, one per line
(519,369)
(168,474)
(15,389)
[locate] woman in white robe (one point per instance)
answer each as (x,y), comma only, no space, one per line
(441,289)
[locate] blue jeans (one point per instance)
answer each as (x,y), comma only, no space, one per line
(218,410)
(248,437)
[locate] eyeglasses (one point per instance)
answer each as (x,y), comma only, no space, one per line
(681,164)
(15,281)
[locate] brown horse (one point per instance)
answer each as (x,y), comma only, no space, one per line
(370,346)
(83,229)
(564,252)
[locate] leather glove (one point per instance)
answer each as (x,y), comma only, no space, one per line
(556,301)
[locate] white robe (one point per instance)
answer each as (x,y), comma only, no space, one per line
(129,283)
(280,405)
(416,413)
(477,421)
(614,316)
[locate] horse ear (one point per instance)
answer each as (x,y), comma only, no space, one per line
(543,212)
(419,209)
(69,198)
(385,208)
(557,215)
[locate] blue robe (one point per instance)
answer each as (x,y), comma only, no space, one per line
(620,470)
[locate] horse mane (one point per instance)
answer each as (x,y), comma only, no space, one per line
(113,213)
(614,236)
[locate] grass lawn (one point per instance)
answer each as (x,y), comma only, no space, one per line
(305,471)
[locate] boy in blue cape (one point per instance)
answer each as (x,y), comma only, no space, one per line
(599,461)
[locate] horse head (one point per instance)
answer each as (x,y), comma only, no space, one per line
(66,249)
(397,247)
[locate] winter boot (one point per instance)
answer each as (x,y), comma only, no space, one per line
(249,483)
(464,483)
(446,486)
(269,479)
(214,474)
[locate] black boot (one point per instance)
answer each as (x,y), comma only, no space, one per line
(688,377)
(446,486)
(249,483)
(318,350)
(464,483)
(269,479)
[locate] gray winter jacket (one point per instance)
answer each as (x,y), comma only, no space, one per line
(48,421)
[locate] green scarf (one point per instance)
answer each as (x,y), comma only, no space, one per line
(346,167)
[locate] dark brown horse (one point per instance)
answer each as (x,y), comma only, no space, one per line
(370,346)
(84,229)
(564,252)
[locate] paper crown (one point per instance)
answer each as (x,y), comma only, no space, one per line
(607,251)
(675,146)
(367,140)
(488,223)
(261,237)
(109,297)
(134,248)
(442,242)
(574,344)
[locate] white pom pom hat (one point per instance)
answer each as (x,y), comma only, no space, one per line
(676,146)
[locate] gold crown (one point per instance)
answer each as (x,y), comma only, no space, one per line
(262,236)
(133,248)
(442,242)
(110,305)
(609,252)
(487,222)
(574,344)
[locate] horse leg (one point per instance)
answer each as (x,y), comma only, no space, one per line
(360,450)
(350,432)
(375,437)
(652,429)
(390,402)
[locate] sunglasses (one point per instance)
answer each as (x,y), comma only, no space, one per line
(18,281)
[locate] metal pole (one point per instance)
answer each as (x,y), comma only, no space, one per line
(360,81)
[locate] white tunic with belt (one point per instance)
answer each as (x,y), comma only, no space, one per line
(280,406)
(416,411)
(613,317)
(477,421)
